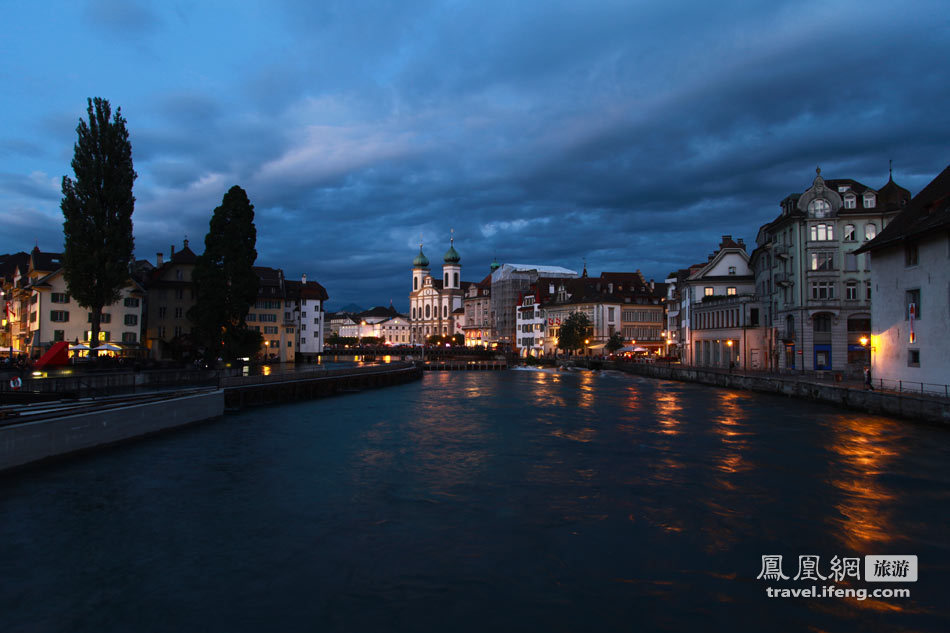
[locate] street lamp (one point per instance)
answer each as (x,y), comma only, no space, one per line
(865,343)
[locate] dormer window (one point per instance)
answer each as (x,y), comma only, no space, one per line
(869,201)
(850,202)
(843,188)
(732,270)
(819,208)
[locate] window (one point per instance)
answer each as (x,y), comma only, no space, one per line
(912,298)
(869,201)
(445,312)
(413,312)
(316,320)
(178,312)
(105,317)
(303,327)
(708,291)
(59,297)
(270,329)
(822,290)
(867,290)
(850,261)
(161,312)
(731,291)
(250,318)
(59,316)
(850,202)
(851,291)
(131,319)
(911,255)
(822,322)
(58,335)
(849,233)
(819,208)
(180,293)
(732,270)
(446,279)
(913,358)
(823,260)
(822,232)
(268,318)
(178,274)
(177,331)
(303,341)
(131,302)
(754,317)
(33,316)
(290,343)
(129,337)
(428,311)
(870,230)
(455,277)
(34,298)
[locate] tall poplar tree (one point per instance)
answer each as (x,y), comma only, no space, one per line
(97,207)
(225,281)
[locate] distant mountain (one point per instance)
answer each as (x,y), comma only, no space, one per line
(350,307)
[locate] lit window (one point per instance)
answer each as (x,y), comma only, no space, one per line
(708,291)
(819,208)
(870,230)
(849,233)
(822,260)
(731,291)
(822,232)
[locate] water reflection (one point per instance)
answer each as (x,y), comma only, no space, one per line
(864,447)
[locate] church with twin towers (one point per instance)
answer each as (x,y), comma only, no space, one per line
(436,302)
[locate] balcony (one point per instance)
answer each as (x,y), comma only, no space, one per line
(784,279)
(782,250)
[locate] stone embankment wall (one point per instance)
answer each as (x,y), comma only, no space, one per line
(34,441)
(902,405)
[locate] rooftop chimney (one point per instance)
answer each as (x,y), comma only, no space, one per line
(303,280)
(186,242)
(172,253)
(159,259)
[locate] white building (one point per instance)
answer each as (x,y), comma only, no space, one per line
(910,276)
(307,299)
(724,278)
(433,302)
(53,315)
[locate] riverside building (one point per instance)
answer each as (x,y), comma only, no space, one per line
(433,303)
(814,283)
(910,277)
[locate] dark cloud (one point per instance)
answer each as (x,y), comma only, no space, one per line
(630,136)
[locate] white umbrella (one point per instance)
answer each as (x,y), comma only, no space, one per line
(79,347)
(108,347)
(640,349)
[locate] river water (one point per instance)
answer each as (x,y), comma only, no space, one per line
(483,501)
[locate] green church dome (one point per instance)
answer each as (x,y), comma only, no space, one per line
(452,255)
(421,261)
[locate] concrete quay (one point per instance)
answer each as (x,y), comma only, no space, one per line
(51,430)
(931,409)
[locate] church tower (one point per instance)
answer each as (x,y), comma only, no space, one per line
(420,268)
(451,269)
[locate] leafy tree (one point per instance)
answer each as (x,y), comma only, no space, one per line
(615,342)
(370,340)
(575,329)
(458,340)
(97,207)
(225,281)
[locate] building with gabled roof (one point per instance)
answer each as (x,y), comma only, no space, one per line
(910,277)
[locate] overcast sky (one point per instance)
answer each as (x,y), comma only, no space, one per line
(632,134)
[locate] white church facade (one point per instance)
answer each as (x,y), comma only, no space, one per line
(434,301)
